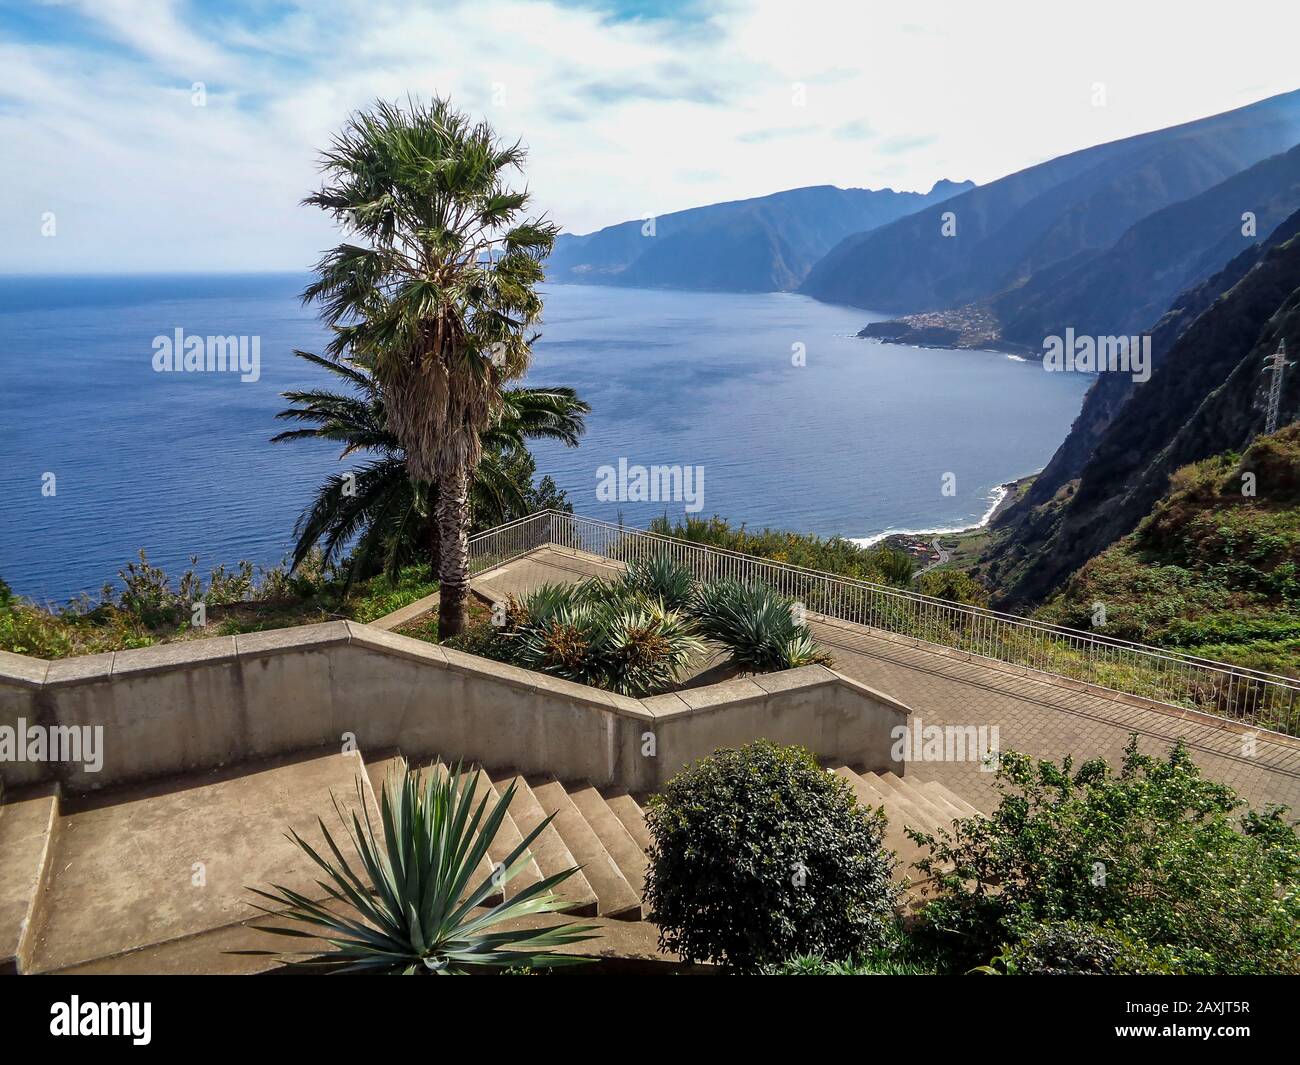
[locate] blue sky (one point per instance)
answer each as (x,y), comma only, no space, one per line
(628,108)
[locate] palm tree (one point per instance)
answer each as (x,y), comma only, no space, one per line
(377,505)
(437,297)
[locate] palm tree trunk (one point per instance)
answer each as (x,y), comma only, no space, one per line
(453,563)
(432,537)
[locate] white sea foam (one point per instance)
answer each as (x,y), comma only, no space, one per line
(995,499)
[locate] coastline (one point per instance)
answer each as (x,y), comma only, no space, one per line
(919,541)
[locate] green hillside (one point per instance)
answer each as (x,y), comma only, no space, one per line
(1212,570)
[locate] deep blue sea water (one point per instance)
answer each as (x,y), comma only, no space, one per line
(855,442)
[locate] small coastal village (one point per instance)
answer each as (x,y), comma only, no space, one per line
(959,549)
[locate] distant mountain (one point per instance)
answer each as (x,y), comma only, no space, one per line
(1124,290)
(1110,391)
(1048,215)
(766,244)
(1205,397)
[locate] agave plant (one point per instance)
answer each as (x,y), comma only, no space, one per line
(647,647)
(757,626)
(661,578)
(411,906)
(566,641)
(603,633)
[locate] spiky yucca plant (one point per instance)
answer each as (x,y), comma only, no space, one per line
(757,625)
(602,633)
(661,578)
(410,907)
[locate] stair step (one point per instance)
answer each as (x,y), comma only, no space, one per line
(614,895)
(629,811)
(504,843)
(868,794)
(172,858)
(968,809)
(895,838)
(548,849)
(952,804)
(901,802)
(931,815)
(613,834)
(27,828)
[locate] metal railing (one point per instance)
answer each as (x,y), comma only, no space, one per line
(1263,700)
(497,546)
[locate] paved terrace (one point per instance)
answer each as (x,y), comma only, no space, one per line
(1035,714)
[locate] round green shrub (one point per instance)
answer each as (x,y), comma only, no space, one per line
(759,854)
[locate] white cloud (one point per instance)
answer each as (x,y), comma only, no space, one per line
(615,113)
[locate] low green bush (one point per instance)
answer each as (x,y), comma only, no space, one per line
(381,595)
(759,855)
(148,606)
(880,564)
(1077,948)
(1152,852)
(954,585)
(882,963)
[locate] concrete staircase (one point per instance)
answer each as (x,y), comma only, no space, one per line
(155,878)
(926,806)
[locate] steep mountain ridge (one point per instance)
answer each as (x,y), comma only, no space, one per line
(1205,397)
(765,244)
(1110,392)
(1125,289)
(1212,569)
(1077,204)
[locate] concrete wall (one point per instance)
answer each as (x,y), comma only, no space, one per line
(197,705)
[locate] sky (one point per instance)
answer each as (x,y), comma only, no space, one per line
(180,136)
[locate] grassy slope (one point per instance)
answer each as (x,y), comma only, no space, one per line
(1211,571)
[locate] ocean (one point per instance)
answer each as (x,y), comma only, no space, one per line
(767,407)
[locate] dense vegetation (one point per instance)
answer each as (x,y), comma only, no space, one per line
(887,961)
(639,633)
(1154,868)
(882,565)
(762,861)
(1211,570)
(759,854)
(150,607)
